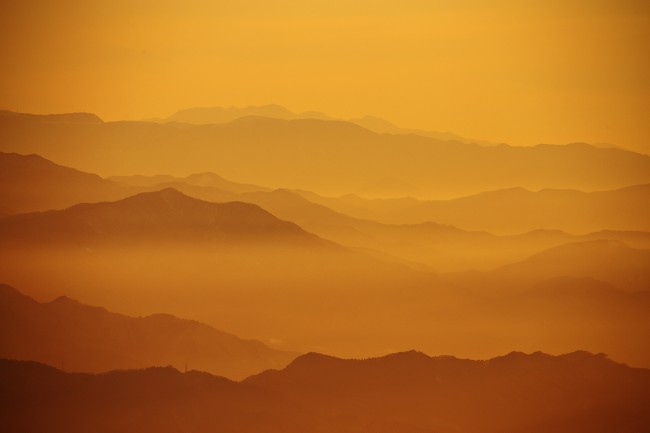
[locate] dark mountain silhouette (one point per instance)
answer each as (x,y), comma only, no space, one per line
(324,156)
(609,261)
(400,393)
(160,216)
(510,211)
(82,338)
(516,392)
(39,398)
(31,183)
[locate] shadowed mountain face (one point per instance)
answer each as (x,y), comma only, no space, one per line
(162,216)
(325,156)
(81,338)
(400,393)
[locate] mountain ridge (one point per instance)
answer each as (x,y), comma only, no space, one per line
(93,339)
(305,153)
(577,392)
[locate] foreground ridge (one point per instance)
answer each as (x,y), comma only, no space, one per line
(403,392)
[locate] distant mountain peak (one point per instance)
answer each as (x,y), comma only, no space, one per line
(78,117)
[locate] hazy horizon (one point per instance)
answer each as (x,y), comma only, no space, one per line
(499,71)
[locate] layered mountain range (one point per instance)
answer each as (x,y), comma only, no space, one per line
(298,233)
(320,155)
(83,338)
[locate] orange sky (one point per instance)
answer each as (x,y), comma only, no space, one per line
(522,72)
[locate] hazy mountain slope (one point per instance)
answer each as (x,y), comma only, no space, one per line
(232,265)
(572,312)
(382,126)
(442,247)
(29,183)
(609,261)
(81,338)
(237,267)
(400,393)
(510,211)
(33,183)
(325,156)
(612,262)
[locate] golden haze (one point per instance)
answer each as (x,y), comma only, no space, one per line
(506,71)
(172,263)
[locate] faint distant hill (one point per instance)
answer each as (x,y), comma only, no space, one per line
(400,393)
(382,126)
(206,179)
(31,183)
(331,157)
(82,338)
(509,211)
(609,261)
(214,115)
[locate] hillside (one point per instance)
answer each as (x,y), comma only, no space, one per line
(81,338)
(400,393)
